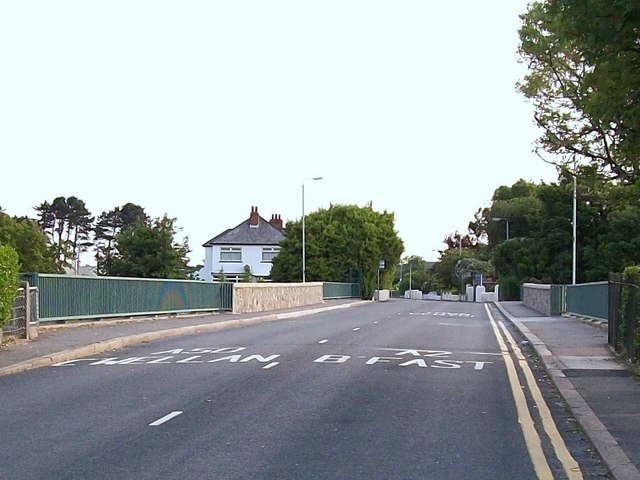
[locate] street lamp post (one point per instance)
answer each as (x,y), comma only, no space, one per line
(304,248)
(496,219)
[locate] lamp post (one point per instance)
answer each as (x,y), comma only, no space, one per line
(575,221)
(497,219)
(304,249)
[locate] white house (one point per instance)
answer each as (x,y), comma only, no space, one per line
(249,246)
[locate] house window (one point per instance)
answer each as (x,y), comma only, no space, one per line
(230,254)
(269,253)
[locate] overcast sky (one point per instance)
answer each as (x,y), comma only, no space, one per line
(203,109)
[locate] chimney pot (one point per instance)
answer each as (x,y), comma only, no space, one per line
(276,222)
(254,218)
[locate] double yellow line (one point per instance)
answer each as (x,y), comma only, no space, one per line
(531,435)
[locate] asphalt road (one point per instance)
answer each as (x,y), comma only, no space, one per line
(397,390)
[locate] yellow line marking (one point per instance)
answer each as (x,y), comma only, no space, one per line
(571,467)
(531,437)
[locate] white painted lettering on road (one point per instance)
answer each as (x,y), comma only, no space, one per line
(399,357)
(447,364)
(69,363)
(332,359)
(165,419)
(479,365)
(259,358)
(177,351)
(230,358)
(419,353)
(374,360)
(160,360)
(192,359)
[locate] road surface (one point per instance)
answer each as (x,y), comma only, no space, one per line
(397,390)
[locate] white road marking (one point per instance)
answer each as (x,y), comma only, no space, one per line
(323,341)
(272,364)
(532,437)
(164,419)
(356,329)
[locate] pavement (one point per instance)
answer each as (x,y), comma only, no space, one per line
(598,386)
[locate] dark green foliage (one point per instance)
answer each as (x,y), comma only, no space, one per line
(509,288)
(149,251)
(35,254)
(413,273)
(109,225)
(630,308)
(69,226)
(340,238)
(9,267)
(584,81)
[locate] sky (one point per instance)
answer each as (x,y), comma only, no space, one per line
(202,109)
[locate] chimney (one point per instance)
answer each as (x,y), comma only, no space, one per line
(276,222)
(254,218)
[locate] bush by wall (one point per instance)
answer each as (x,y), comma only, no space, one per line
(629,327)
(9,267)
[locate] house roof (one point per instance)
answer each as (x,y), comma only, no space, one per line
(245,234)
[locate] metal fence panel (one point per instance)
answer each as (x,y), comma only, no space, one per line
(340,290)
(588,299)
(64,297)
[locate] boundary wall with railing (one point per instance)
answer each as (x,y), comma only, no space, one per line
(589,300)
(70,297)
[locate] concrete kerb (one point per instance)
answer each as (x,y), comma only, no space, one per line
(131,340)
(608,448)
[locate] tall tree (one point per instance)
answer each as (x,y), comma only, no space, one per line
(150,251)
(69,225)
(109,225)
(584,82)
(338,239)
(35,254)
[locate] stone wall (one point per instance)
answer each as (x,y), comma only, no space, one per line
(262,297)
(537,297)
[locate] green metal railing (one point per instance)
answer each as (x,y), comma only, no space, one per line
(557,300)
(66,297)
(340,290)
(588,299)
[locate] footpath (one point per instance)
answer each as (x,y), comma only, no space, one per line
(598,386)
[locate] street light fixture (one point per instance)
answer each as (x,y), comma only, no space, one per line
(304,249)
(497,219)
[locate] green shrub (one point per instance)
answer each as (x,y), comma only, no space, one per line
(9,267)
(509,288)
(631,284)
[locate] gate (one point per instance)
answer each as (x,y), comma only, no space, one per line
(24,312)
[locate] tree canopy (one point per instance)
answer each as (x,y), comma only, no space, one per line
(9,268)
(35,254)
(339,239)
(69,226)
(150,251)
(584,81)
(109,225)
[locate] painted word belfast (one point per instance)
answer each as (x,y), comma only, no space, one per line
(402,358)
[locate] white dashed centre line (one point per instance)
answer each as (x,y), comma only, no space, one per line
(323,341)
(164,419)
(356,329)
